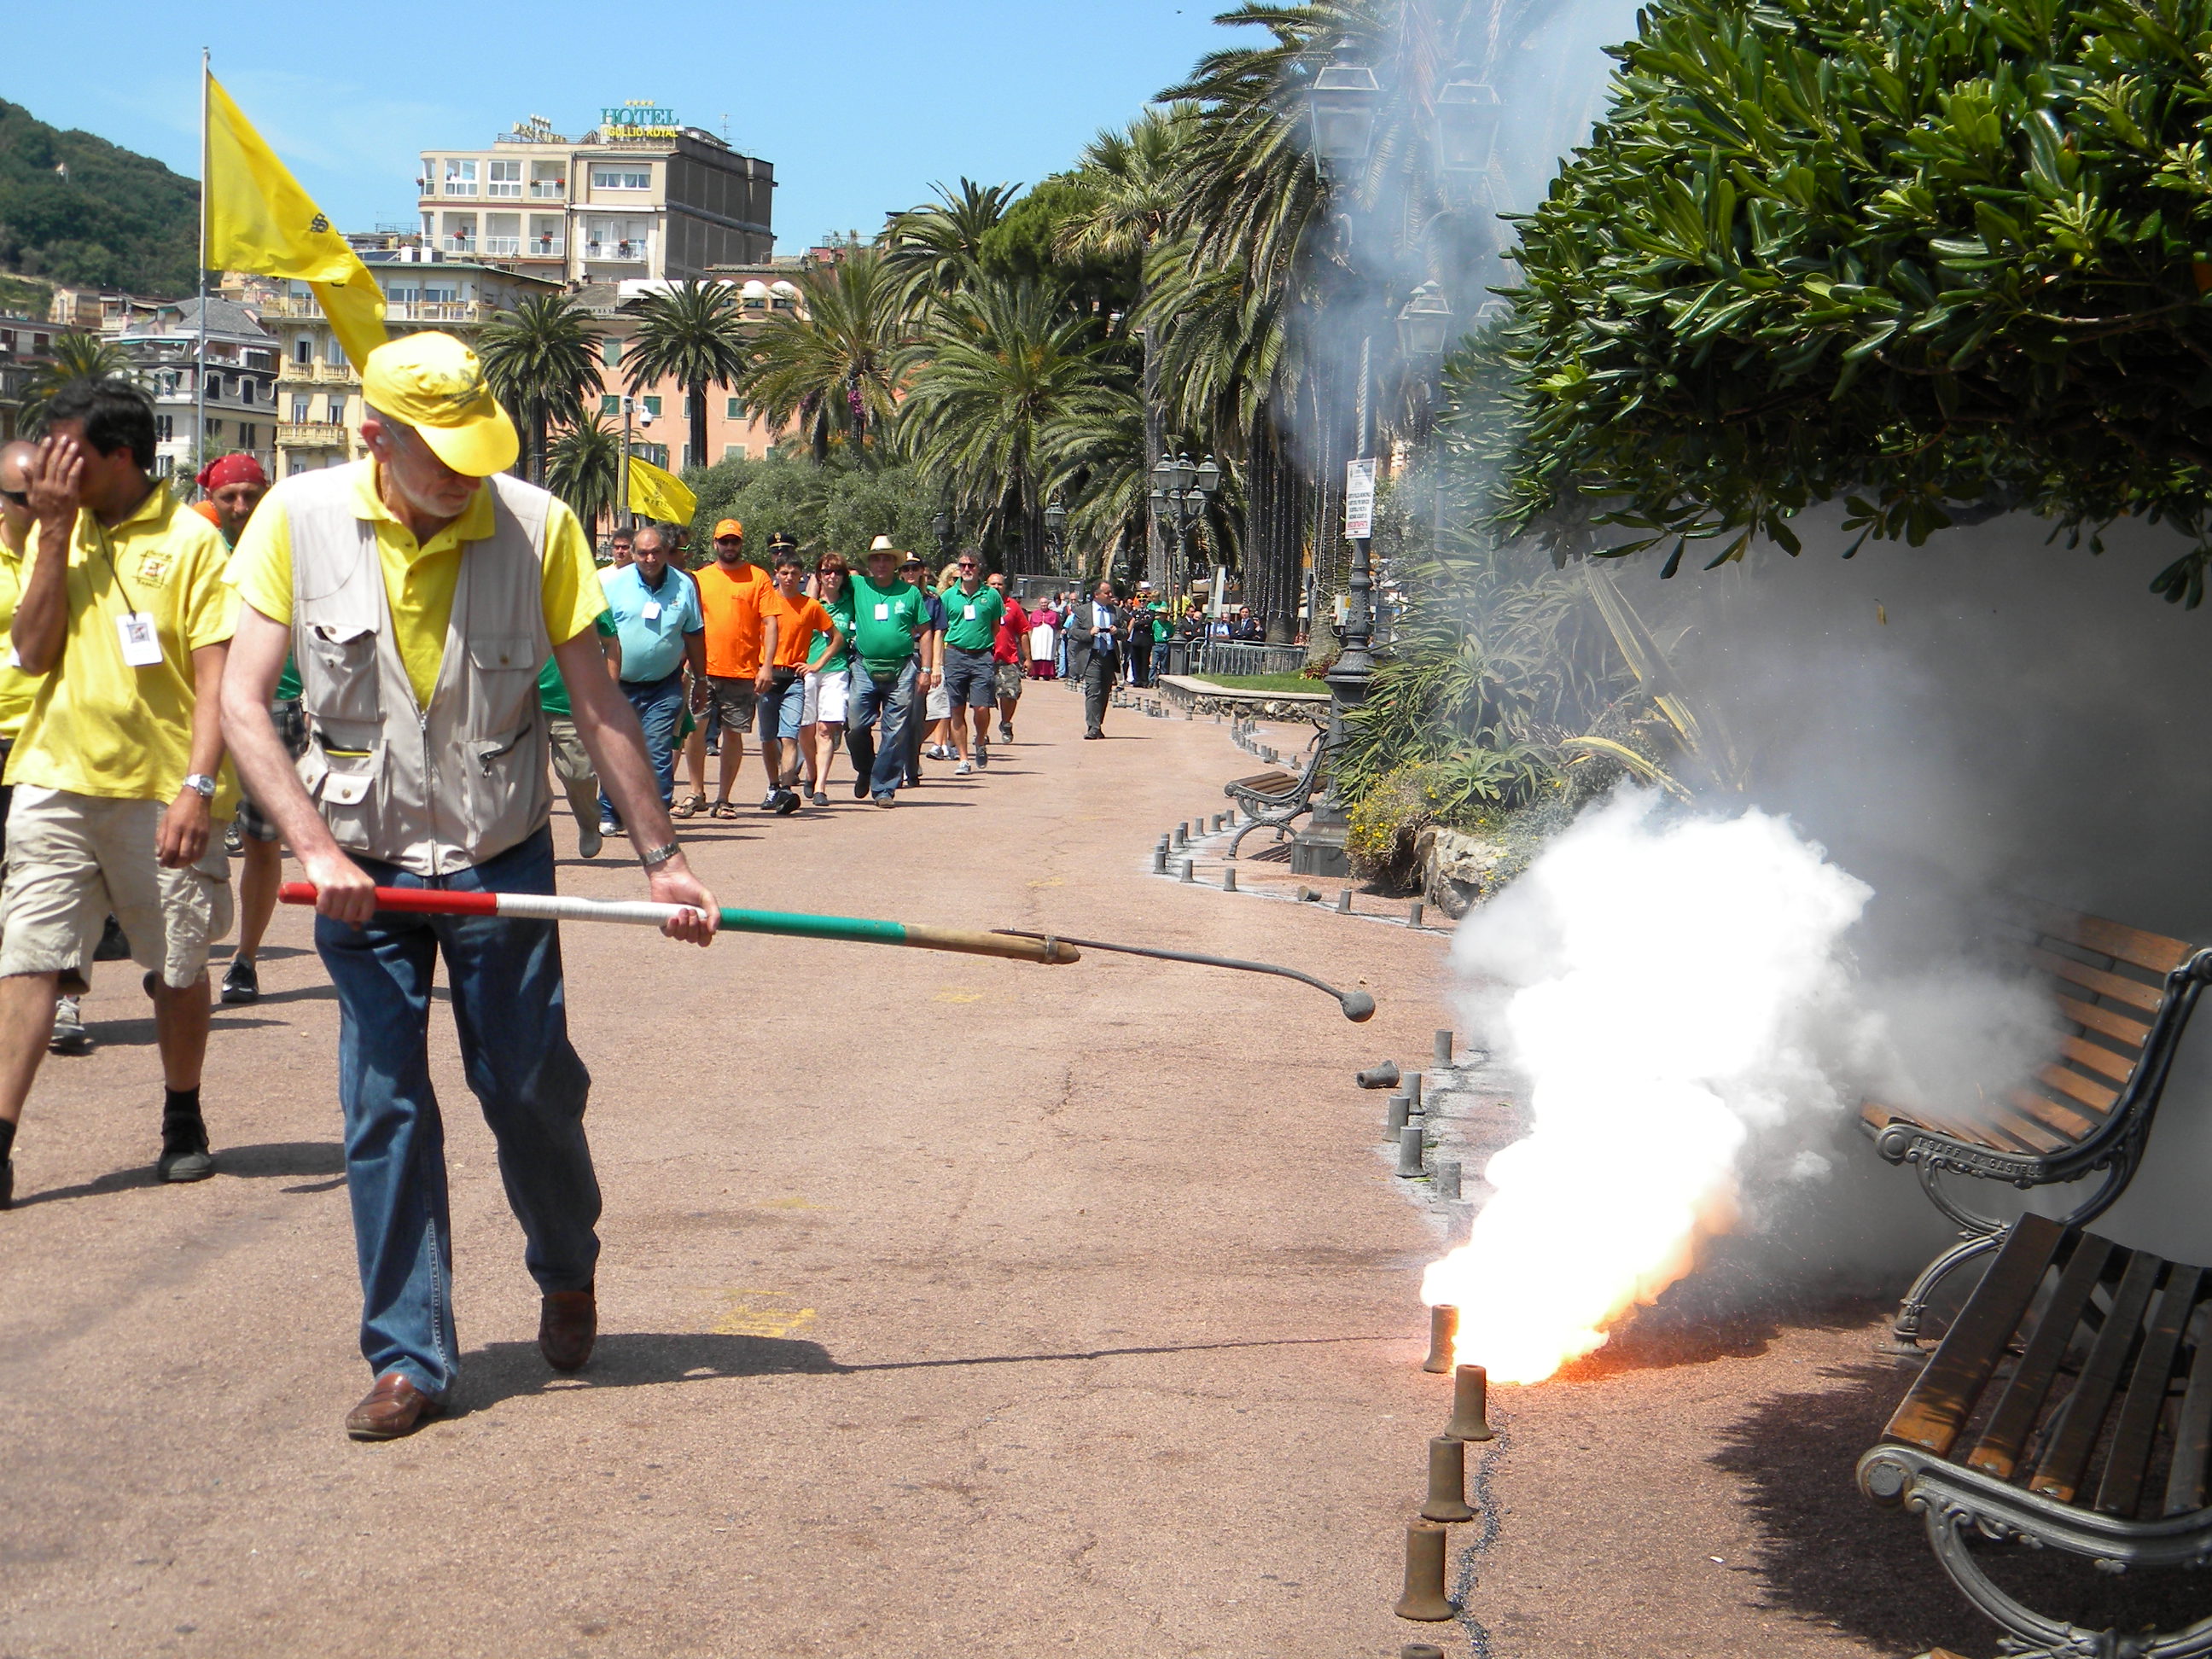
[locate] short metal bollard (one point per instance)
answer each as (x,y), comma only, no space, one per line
(1229,879)
(1443,1048)
(1414,913)
(1410,1149)
(1448,1180)
(1395,1113)
(1190,869)
(1159,860)
(1344,902)
(1413,1089)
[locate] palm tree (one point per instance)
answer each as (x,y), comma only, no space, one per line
(936,248)
(1000,364)
(585,470)
(1139,178)
(541,358)
(691,334)
(830,363)
(76,357)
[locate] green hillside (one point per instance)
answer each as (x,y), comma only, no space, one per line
(118,220)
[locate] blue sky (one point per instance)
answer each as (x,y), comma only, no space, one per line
(860,104)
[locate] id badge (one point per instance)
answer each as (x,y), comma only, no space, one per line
(652,611)
(883,613)
(142,646)
(969,613)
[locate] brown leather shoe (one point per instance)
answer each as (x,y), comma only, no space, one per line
(393,1407)
(567,1324)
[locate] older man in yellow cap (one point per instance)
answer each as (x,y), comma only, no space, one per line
(421,591)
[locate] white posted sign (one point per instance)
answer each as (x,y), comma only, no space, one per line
(1360,500)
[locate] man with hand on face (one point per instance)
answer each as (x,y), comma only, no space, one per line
(115,772)
(420,589)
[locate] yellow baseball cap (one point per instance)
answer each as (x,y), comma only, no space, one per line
(435,385)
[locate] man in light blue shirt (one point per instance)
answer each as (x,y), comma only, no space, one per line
(662,631)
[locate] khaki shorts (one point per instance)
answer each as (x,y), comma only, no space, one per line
(1009,676)
(572,761)
(737,699)
(75,860)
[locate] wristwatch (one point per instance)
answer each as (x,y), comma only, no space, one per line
(654,856)
(200,784)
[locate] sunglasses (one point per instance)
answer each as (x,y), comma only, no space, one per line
(20,497)
(963,567)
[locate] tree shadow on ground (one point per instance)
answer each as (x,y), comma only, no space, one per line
(263,1162)
(1830,1556)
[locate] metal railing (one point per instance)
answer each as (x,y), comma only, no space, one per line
(1239,658)
(619,253)
(544,247)
(458,244)
(499,247)
(549,190)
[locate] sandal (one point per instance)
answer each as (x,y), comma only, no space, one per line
(689,806)
(724,809)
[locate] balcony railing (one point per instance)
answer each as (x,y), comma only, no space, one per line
(550,190)
(437,311)
(458,245)
(301,306)
(499,247)
(545,248)
(310,435)
(616,253)
(334,374)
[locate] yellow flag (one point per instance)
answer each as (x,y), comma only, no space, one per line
(258,219)
(660,494)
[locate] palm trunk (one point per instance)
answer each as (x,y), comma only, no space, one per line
(698,425)
(1156,546)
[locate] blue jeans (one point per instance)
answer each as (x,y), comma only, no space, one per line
(880,756)
(511,1015)
(659,705)
(780,707)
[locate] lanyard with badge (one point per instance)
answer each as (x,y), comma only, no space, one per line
(142,644)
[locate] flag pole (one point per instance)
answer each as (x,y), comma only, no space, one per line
(196,459)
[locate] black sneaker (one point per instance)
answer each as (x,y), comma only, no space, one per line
(184,1155)
(786,802)
(860,789)
(242,984)
(772,801)
(112,946)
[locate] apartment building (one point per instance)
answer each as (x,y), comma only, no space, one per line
(639,195)
(27,345)
(239,406)
(318,391)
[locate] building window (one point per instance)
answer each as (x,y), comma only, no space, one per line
(460,177)
(611,405)
(737,409)
(651,404)
(303,349)
(611,352)
(165,427)
(687,455)
(245,434)
(215,430)
(334,354)
(506,179)
(338,409)
(215,385)
(549,180)
(299,411)
(687,409)
(733,452)
(622,177)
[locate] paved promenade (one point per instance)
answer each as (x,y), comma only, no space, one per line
(950,1307)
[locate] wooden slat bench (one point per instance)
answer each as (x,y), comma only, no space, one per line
(2123,997)
(1274,800)
(2069,1406)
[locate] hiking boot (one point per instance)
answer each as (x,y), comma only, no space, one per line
(69,1036)
(242,984)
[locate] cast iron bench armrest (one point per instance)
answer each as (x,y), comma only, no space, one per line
(1274,800)
(2047,1417)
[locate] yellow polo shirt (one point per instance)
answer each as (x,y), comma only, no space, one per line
(16,688)
(97,725)
(420,577)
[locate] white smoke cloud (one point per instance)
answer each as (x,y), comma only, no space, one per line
(1677,993)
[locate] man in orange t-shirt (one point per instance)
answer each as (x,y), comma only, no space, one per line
(731,593)
(792,622)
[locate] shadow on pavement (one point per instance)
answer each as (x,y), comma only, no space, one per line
(506,1371)
(1829,1555)
(263,1162)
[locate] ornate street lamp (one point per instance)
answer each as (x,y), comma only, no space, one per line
(1179,495)
(1055,530)
(1468,110)
(1425,324)
(1344,101)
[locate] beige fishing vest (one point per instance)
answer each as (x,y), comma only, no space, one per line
(437,790)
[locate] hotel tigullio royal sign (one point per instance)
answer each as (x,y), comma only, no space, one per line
(638,117)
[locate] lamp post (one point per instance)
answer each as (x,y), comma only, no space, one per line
(1055,533)
(1179,496)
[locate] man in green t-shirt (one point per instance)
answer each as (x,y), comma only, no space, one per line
(572,764)
(971,629)
(888,619)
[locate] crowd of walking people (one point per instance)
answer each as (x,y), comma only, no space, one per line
(318,665)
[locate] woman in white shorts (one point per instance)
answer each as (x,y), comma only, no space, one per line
(822,718)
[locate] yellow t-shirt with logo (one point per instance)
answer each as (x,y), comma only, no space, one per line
(16,688)
(420,578)
(97,725)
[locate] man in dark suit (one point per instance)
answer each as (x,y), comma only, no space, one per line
(1094,641)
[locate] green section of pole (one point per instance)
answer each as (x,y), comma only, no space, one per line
(796,925)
